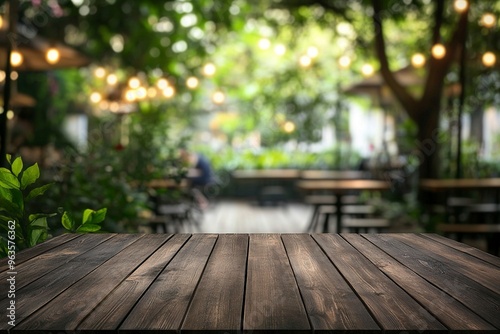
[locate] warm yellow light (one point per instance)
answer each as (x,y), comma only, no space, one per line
(16,58)
(10,114)
(114,106)
(460,5)
(280,49)
(169,92)
(264,44)
(14,75)
(344,61)
(95,97)
(100,72)
(104,105)
(312,51)
(162,83)
(152,92)
(488,20)
(305,61)
(192,82)
(112,79)
(489,59)
(2,75)
(134,82)
(52,55)
(130,95)
(438,51)
(367,70)
(209,69)
(418,60)
(141,93)
(218,97)
(1,22)
(289,127)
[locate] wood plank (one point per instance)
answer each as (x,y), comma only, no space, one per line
(163,306)
(38,293)
(330,302)
(272,300)
(490,258)
(83,296)
(45,263)
(448,310)
(223,284)
(391,306)
(470,293)
(32,252)
(479,271)
(109,314)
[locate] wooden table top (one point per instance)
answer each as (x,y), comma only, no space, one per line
(266,174)
(343,185)
(262,282)
(333,174)
(450,184)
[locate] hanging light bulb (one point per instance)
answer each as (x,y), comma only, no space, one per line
(367,70)
(461,5)
(52,56)
(418,60)
(488,20)
(112,79)
(438,51)
(16,58)
(95,97)
(489,59)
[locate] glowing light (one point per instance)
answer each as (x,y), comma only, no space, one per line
(418,60)
(489,59)
(344,61)
(52,56)
(169,92)
(95,97)
(461,5)
(10,114)
(134,82)
(289,127)
(218,97)
(104,105)
(114,106)
(141,93)
(162,83)
(16,58)
(209,69)
(130,95)
(305,61)
(438,51)
(367,70)
(1,22)
(280,49)
(112,79)
(312,52)
(14,75)
(264,43)
(488,20)
(2,75)
(152,92)
(192,82)
(100,72)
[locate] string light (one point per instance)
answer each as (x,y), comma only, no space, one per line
(489,59)
(52,55)
(14,75)
(95,97)
(141,93)
(130,95)
(280,49)
(192,82)
(209,69)
(134,82)
(162,83)
(218,97)
(264,44)
(367,70)
(305,61)
(312,52)
(112,79)
(100,72)
(169,92)
(488,20)
(438,51)
(16,58)
(289,127)
(418,60)
(10,114)
(152,92)
(461,5)
(345,61)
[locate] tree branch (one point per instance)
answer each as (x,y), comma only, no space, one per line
(404,97)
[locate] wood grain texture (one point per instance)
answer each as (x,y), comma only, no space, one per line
(453,314)
(35,295)
(109,314)
(272,300)
(217,304)
(470,293)
(393,308)
(163,306)
(330,302)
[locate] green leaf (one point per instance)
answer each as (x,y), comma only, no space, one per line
(67,222)
(89,228)
(30,175)
(38,191)
(87,216)
(98,216)
(9,158)
(11,201)
(8,180)
(17,166)
(38,231)
(33,218)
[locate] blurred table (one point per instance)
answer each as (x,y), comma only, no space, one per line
(459,184)
(269,283)
(340,188)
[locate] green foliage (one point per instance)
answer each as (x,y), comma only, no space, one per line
(18,188)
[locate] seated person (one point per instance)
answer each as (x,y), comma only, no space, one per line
(203,174)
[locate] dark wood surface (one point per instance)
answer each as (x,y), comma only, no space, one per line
(342,186)
(228,283)
(454,184)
